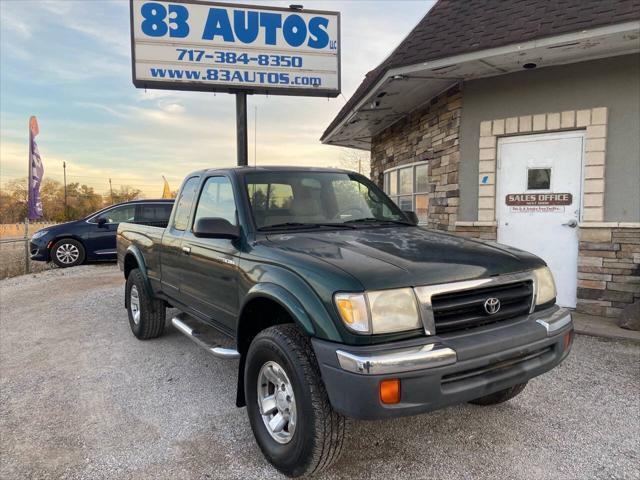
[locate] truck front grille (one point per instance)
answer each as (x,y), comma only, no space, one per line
(466,309)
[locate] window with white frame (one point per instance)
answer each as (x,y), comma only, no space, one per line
(408,186)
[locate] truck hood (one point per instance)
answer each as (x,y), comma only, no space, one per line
(398,256)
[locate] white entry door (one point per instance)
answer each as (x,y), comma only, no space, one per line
(539,192)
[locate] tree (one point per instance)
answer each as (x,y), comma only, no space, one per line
(52,194)
(125,193)
(356,160)
(13,206)
(82,200)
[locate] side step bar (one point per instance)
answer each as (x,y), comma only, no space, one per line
(221,352)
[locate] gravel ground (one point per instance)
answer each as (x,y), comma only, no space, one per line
(80,397)
(12,260)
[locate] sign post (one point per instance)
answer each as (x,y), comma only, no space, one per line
(241,49)
(241,128)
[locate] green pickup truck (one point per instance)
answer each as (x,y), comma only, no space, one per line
(337,304)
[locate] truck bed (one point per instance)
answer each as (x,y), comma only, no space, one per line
(148,238)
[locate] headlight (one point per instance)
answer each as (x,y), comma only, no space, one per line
(545,286)
(383,311)
(39,234)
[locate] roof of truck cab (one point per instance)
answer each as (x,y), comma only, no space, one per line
(267,169)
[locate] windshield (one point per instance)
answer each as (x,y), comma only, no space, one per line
(305,199)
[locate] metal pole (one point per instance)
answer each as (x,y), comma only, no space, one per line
(64,169)
(26,218)
(27,264)
(255,136)
(241,128)
(111,191)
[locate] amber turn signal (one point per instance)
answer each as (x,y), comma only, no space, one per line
(390,391)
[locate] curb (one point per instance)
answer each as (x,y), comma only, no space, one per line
(602,327)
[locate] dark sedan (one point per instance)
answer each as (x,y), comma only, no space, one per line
(94,238)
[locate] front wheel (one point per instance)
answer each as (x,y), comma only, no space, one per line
(500,396)
(287,403)
(67,253)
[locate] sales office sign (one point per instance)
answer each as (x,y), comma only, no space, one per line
(207,46)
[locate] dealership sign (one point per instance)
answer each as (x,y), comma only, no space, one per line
(538,202)
(207,46)
(538,199)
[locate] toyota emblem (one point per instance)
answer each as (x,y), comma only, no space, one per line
(492,305)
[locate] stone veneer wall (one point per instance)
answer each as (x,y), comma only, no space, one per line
(609,253)
(430,133)
(608,269)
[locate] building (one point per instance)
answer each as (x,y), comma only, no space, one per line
(517,121)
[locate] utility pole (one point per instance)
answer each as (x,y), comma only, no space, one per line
(111,191)
(241,128)
(64,175)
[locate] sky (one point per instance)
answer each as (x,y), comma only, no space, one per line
(68,62)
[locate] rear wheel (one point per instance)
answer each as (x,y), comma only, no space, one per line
(67,253)
(287,403)
(146,314)
(500,396)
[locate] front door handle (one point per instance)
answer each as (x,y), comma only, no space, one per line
(573,223)
(186,250)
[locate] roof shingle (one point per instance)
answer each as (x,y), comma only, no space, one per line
(453,27)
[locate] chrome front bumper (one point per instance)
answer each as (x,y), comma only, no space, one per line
(440,370)
(432,355)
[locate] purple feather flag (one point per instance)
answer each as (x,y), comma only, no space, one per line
(36,172)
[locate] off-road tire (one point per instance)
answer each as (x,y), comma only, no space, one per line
(319,434)
(500,396)
(152,312)
(70,244)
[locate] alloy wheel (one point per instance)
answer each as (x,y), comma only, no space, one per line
(67,253)
(277,402)
(134,301)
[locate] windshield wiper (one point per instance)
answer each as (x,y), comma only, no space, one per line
(284,225)
(378,220)
(299,225)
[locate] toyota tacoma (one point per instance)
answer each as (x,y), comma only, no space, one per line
(337,304)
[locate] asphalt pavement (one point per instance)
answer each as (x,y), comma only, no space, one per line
(80,397)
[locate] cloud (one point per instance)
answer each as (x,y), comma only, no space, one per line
(12,22)
(81,18)
(94,119)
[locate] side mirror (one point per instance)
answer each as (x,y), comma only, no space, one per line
(216,228)
(413,218)
(102,222)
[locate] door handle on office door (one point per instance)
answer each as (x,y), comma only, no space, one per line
(186,250)
(573,223)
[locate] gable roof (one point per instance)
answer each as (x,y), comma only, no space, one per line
(454,27)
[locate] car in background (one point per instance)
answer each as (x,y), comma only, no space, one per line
(94,238)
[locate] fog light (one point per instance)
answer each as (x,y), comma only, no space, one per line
(390,391)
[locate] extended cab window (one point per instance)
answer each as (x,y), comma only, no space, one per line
(185,201)
(154,214)
(216,200)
